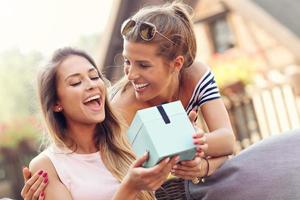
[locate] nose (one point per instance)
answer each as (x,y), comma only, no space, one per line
(90,84)
(131,72)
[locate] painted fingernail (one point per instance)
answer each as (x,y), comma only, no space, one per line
(46,180)
(45,174)
(42,194)
(40,172)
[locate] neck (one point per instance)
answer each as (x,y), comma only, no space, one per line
(82,135)
(170,94)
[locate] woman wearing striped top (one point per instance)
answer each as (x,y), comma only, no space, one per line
(159,51)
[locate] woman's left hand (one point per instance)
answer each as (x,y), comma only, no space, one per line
(190,169)
(200,140)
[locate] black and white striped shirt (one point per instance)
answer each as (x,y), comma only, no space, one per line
(205,90)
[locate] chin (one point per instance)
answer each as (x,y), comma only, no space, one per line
(142,98)
(96,119)
(100,118)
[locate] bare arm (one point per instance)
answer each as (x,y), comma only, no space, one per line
(220,139)
(197,167)
(55,189)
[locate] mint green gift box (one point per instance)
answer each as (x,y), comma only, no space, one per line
(163,131)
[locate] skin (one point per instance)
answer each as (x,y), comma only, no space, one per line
(143,67)
(78,80)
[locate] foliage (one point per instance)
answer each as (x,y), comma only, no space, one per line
(233,67)
(17,72)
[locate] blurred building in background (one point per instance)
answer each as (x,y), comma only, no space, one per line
(253,47)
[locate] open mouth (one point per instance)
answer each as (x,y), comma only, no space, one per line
(93,102)
(141,86)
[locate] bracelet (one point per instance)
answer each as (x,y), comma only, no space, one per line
(197,180)
(207,171)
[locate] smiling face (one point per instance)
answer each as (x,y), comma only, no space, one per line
(151,76)
(80,91)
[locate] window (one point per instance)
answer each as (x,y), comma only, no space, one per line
(221,34)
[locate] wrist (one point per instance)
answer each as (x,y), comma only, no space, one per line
(127,190)
(205,168)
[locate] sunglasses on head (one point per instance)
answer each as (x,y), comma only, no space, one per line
(146,30)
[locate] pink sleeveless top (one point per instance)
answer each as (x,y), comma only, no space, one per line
(84,175)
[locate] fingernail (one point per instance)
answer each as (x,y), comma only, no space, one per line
(40,172)
(167,160)
(175,167)
(45,174)
(183,162)
(42,194)
(46,180)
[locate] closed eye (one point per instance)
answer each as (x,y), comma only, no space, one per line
(142,65)
(75,84)
(95,78)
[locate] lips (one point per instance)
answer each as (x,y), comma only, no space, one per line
(93,102)
(140,86)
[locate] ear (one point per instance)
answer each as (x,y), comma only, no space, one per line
(178,63)
(57,107)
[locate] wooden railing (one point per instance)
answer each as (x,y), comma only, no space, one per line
(261,113)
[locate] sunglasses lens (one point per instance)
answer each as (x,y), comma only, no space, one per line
(147,31)
(127,27)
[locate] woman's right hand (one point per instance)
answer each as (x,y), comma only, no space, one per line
(34,186)
(149,179)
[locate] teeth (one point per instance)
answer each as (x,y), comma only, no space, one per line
(141,85)
(92,98)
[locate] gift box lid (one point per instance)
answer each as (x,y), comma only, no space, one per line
(149,114)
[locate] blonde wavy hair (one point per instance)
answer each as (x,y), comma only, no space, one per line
(109,137)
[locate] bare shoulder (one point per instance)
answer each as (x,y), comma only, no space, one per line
(195,72)
(43,162)
(55,188)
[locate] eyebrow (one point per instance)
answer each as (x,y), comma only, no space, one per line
(78,74)
(138,61)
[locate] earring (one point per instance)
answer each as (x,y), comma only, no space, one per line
(59,109)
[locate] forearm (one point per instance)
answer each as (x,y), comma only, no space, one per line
(220,142)
(125,191)
(212,165)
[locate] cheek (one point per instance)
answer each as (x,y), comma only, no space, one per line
(70,97)
(126,70)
